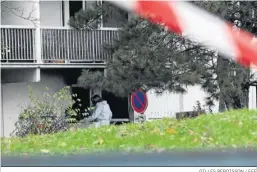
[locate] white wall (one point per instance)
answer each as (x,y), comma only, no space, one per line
(193,94)
(50,13)
(20,8)
(15,96)
(167,104)
(252,97)
(252,91)
(164,105)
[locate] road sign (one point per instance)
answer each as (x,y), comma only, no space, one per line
(139,101)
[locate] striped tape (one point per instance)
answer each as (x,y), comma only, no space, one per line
(189,20)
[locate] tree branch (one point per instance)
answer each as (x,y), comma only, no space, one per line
(15,12)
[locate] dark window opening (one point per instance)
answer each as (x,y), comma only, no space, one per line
(84,97)
(119,106)
(82,94)
(75,6)
(71,79)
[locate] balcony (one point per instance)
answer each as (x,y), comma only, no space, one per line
(58,45)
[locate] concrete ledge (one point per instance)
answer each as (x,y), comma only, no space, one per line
(120,120)
(51,65)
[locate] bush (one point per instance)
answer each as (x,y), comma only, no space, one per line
(200,107)
(198,110)
(46,114)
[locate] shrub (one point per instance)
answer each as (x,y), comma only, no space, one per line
(198,109)
(46,114)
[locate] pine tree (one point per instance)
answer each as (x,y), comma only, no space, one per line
(231,81)
(147,55)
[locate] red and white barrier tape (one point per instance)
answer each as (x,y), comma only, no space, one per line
(187,19)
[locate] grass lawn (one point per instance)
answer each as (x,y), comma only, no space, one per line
(232,129)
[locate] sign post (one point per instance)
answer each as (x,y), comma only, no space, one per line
(139,101)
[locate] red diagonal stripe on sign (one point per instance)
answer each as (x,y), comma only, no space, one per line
(160,12)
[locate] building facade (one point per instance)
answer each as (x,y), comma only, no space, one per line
(38,48)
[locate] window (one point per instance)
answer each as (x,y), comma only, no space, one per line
(115,18)
(75,6)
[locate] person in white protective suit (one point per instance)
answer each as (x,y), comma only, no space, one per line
(102,113)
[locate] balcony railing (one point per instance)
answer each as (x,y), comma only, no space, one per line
(17,44)
(58,45)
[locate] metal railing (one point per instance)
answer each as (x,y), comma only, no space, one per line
(17,44)
(58,45)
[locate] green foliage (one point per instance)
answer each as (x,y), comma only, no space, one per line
(199,107)
(87,19)
(46,113)
(232,129)
(89,79)
(146,55)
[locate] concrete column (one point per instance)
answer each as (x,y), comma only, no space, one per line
(83,4)
(66,12)
(105,72)
(2,112)
(37,39)
(38,75)
(37,32)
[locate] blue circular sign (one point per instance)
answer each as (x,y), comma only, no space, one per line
(139,101)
